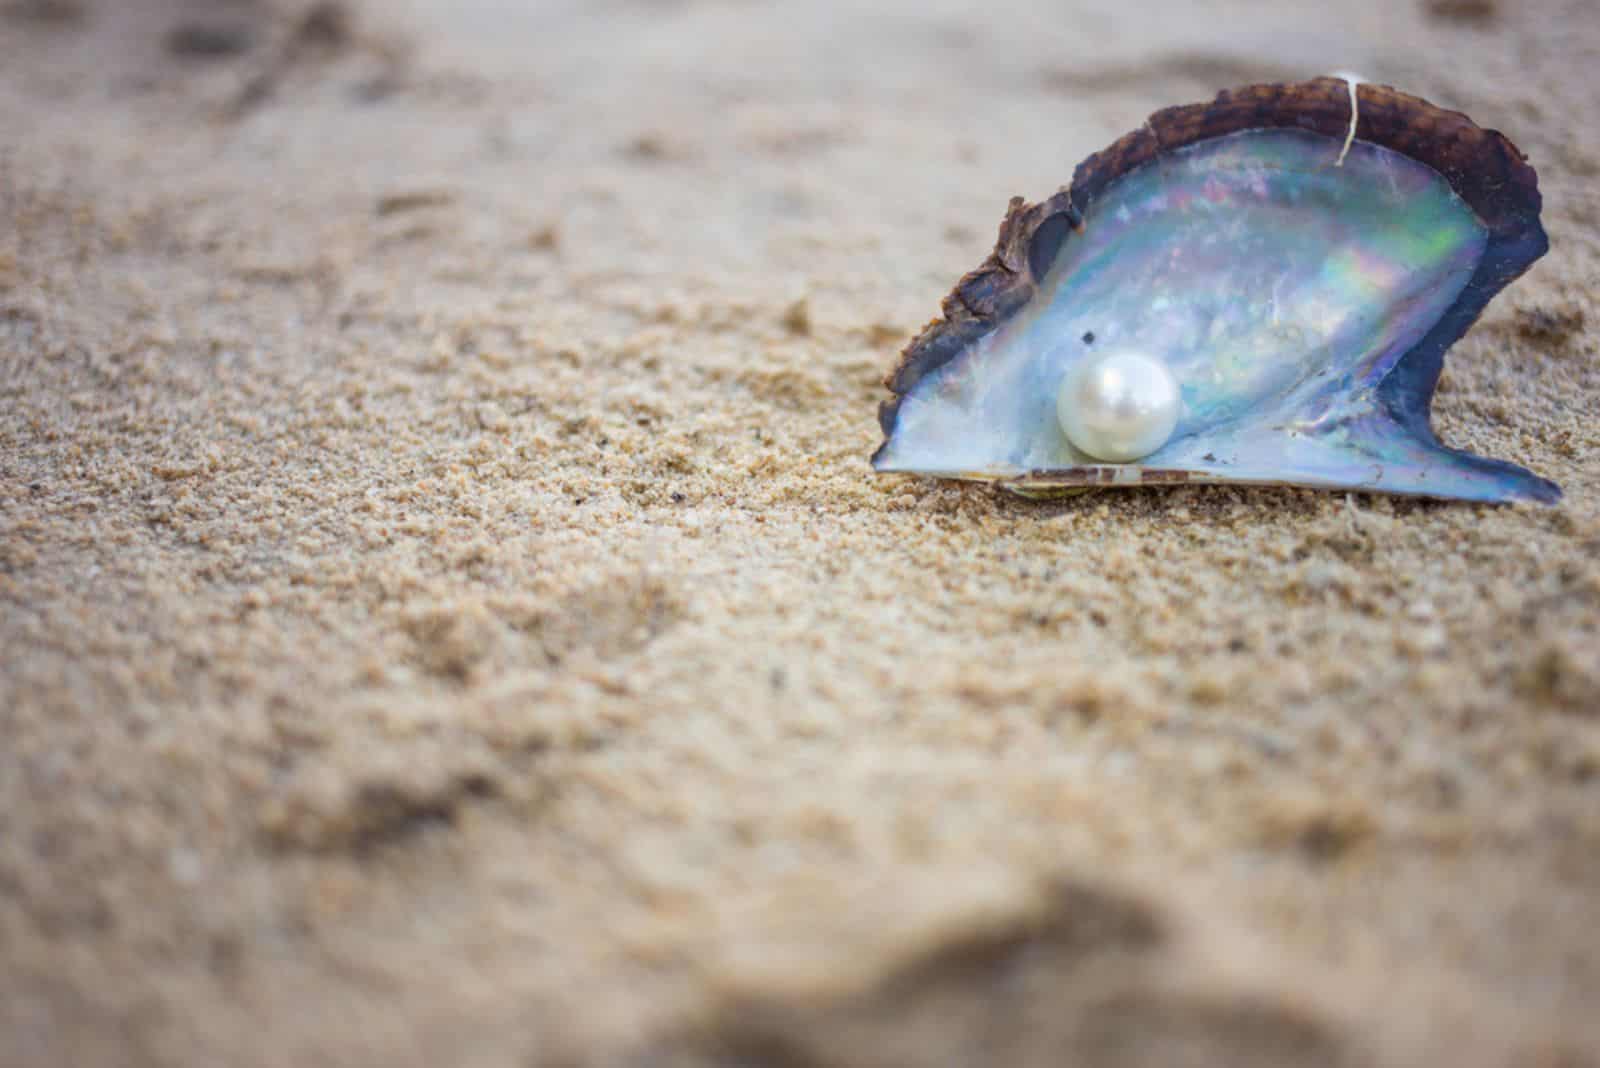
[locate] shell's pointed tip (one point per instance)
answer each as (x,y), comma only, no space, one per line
(1543,491)
(1524,488)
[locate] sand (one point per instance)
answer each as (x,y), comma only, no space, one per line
(446,615)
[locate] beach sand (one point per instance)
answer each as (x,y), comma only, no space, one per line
(447,616)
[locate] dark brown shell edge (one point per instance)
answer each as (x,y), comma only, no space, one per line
(1483,167)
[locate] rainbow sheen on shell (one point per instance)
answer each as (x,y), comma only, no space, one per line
(1301,292)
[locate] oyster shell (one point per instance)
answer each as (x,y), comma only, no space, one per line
(1299,264)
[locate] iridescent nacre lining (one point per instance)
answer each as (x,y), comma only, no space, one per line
(1262,273)
(1280,287)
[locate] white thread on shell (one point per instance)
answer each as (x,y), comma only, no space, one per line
(1351,80)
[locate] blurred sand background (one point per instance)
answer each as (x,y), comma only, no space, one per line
(446,616)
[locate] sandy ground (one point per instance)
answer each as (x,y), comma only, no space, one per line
(448,618)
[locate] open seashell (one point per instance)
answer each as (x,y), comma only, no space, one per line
(1263,287)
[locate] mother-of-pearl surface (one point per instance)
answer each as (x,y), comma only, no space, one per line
(1278,286)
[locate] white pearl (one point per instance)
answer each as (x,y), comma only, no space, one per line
(1119,406)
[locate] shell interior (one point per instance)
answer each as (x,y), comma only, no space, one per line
(1280,280)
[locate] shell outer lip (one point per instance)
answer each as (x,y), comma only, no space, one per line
(1055,482)
(1482,166)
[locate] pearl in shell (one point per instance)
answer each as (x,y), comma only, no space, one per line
(1119,407)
